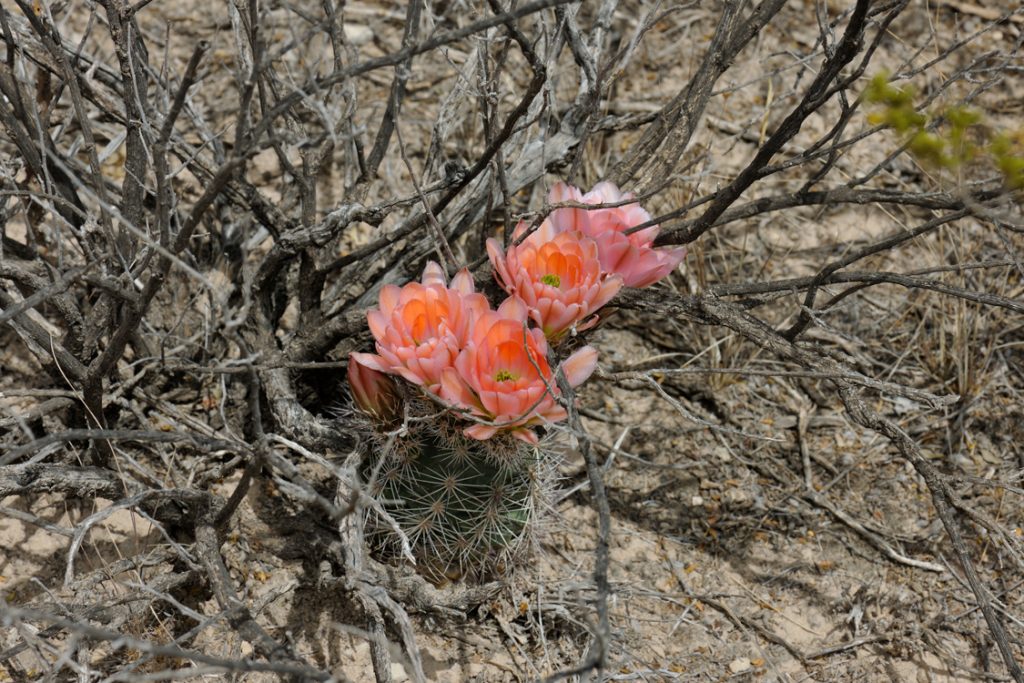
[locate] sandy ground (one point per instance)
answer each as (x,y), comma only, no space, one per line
(724,564)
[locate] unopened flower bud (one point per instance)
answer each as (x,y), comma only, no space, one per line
(374,392)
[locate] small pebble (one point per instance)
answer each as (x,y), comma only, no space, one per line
(738,665)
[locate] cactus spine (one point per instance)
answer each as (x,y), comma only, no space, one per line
(468,508)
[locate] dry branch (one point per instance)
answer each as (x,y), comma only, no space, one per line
(196,214)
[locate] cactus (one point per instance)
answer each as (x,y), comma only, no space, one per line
(469,508)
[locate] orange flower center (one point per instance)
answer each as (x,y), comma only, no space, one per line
(552,280)
(505,376)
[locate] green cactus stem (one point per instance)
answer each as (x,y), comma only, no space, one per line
(469,508)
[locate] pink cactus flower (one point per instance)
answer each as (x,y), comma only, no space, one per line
(421,327)
(557,275)
(374,392)
(502,376)
(631,256)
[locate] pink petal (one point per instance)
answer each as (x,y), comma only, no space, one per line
(427,368)
(674,256)
(541,311)
(455,391)
(463,368)
(644,237)
(389,359)
(411,375)
(555,413)
(538,390)
(645,278)
(433,274)
(562,317)
(612,247)
(544,233)
(490,399)
(528,293)
(373,361)
(520,229)
(390,295)
(636,265)
(510,404)
(588,323)
(480,432)
(580,366)
(513,308)
(497,256)
(567,219)
(563,192)
(609,288)
(526,435)
(655,264)
(378,323)
(541,347)
(605,192)
(462,282)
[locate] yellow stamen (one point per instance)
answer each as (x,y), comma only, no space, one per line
(552,280)
(505,376)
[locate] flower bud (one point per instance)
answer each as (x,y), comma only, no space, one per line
(374,392)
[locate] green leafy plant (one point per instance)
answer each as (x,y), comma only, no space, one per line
(949,138)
